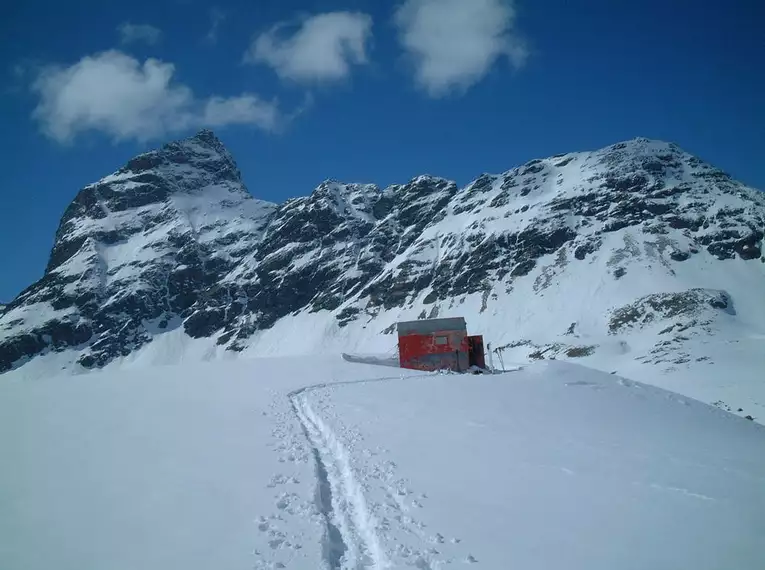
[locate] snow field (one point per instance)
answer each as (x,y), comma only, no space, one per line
(555,466)
(309,463)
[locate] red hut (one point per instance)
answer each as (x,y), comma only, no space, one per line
(439,344)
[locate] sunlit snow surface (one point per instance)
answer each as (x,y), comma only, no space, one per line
(320,463)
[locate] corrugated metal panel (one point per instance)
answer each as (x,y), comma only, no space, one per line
(422,352)
(430,326)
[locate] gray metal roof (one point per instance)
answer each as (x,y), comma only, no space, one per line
(429,326)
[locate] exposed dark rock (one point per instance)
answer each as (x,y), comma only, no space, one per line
(580,351)
(590,247)
(679,255)
(347,315)
(532,167)
(523,268)
(668,306)
(134,256)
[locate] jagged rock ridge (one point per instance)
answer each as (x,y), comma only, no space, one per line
(174,241)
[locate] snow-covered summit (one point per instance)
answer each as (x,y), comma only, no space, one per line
(638,253)
(133,251)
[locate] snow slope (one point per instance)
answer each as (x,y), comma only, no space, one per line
(320,463)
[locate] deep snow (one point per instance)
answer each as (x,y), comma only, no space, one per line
(321,463)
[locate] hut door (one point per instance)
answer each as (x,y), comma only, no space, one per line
(475,351)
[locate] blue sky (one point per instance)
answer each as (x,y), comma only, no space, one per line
(361,90)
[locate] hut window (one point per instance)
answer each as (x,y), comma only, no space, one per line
(441,340)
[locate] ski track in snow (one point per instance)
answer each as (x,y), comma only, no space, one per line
(364,511)
(350,537)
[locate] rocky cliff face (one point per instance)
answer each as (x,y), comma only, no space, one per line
(134,252)
(580,245)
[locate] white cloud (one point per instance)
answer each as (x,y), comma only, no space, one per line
(454,43)
(323,48)
(115,94)
(133,33)
(244,109)
(217,16)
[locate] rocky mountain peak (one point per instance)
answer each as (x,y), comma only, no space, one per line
(173,243)
(203,152)
(355,200)
(208,137)
(424,184)
(137,247)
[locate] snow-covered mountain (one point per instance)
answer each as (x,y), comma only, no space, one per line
(134,252)
(637,252)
